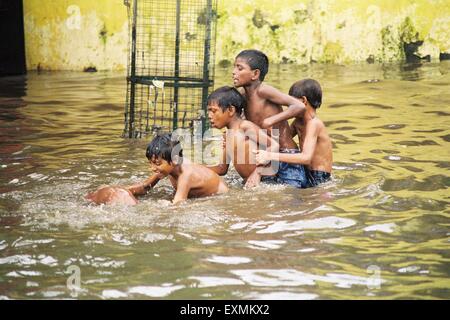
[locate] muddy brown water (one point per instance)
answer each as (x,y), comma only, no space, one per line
(379,230)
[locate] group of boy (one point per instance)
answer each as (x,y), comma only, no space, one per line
(259,140)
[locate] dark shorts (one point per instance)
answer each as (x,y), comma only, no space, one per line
(317,177)
(289,173)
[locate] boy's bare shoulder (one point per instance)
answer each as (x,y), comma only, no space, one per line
(188,166)
(266,89)
(248,125)
(241,91)
(190,169)
(315,124)
(265,86)
(319,122)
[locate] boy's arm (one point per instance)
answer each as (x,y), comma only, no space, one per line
(142,187)
(222,168)
(304,157)
(260,136)
(183,187)
(295,108)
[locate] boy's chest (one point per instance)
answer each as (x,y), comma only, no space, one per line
(259,109)
(253,113)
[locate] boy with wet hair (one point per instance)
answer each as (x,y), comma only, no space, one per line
(165,157)
(188,179)
(225,106)
(264,108)
(316,146)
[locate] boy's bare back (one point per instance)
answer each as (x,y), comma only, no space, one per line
(322,158)
(200,180)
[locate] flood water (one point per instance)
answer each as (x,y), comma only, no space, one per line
(379,230)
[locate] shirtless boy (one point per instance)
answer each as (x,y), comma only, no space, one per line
(264,108)
(316,146)
(165,157)
(225,106)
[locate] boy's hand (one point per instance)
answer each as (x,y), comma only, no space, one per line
(262,157)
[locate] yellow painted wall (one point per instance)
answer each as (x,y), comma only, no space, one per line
(76,34)
(73,35)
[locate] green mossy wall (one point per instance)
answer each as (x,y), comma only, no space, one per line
(75,35)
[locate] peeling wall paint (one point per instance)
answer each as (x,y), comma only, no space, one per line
(334,31)
(75,35)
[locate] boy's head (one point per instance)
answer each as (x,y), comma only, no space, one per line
(249,66)
(164,153)
(224,104)
(308,90)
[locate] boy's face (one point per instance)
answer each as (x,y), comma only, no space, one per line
(242,73)
(217,117)
(159,165)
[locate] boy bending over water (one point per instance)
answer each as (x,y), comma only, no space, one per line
(264,108)
(225,107)
(165,157)
(316,146)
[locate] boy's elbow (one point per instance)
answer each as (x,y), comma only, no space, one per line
(299,109)
(307,159)
(266,124)
(222,170)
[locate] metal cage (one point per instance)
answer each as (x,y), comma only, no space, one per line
(171,64)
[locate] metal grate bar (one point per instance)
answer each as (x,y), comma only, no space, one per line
(171,64)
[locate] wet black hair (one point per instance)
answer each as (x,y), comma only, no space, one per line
(256,60)
(227,97)
(309,88)
(164,146)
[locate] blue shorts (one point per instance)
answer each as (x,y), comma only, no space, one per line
(289,173)
(316,177)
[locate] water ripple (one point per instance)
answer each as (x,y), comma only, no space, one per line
(319,223)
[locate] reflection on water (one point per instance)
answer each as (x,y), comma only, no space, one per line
(378,230)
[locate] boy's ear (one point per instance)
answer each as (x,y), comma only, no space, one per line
(231,110)
(304,99)
(256,74)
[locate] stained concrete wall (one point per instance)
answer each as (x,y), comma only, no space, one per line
(78,34)
(74,35)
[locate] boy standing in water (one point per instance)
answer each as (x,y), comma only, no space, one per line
(316,146)
(264,109)
(225,106)
(165,157)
